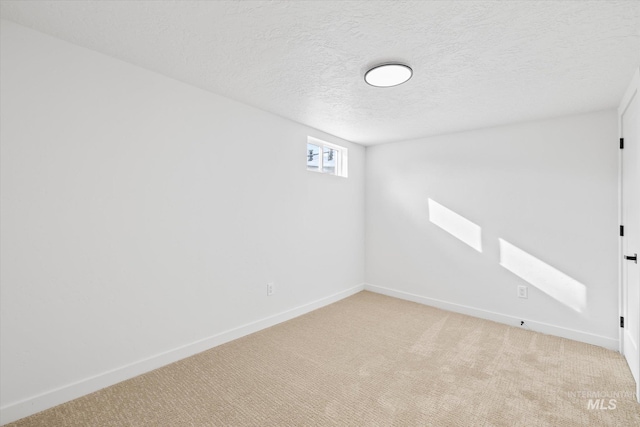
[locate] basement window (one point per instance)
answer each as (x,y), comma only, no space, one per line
(326,158)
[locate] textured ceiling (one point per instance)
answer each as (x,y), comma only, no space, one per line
(476,64)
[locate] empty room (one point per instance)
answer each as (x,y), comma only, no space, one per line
(319,213)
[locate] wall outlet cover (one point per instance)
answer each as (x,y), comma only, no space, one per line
(523,291)
(270,288)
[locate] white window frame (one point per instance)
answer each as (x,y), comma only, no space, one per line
(342,159)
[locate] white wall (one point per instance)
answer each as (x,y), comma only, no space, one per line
(140,214)
(548,188)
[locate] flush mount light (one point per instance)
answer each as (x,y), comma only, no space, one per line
(387,75)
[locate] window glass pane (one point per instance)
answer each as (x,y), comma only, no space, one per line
(326,157)
(329,161)
(313,157)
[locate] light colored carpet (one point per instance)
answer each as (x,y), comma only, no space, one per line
(371,360)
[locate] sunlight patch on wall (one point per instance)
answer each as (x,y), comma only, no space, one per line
(548,279)
(456,225)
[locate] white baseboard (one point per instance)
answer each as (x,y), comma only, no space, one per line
(545,328)
(15,411)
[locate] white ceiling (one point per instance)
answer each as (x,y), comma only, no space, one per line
(476,63)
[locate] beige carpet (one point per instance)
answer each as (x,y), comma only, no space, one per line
(371,360)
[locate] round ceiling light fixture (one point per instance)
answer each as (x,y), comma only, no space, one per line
(387,75)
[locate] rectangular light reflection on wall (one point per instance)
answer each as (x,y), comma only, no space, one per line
(551,281)
(456,225)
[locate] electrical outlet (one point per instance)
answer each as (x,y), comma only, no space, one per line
(523,291)
(270,288)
